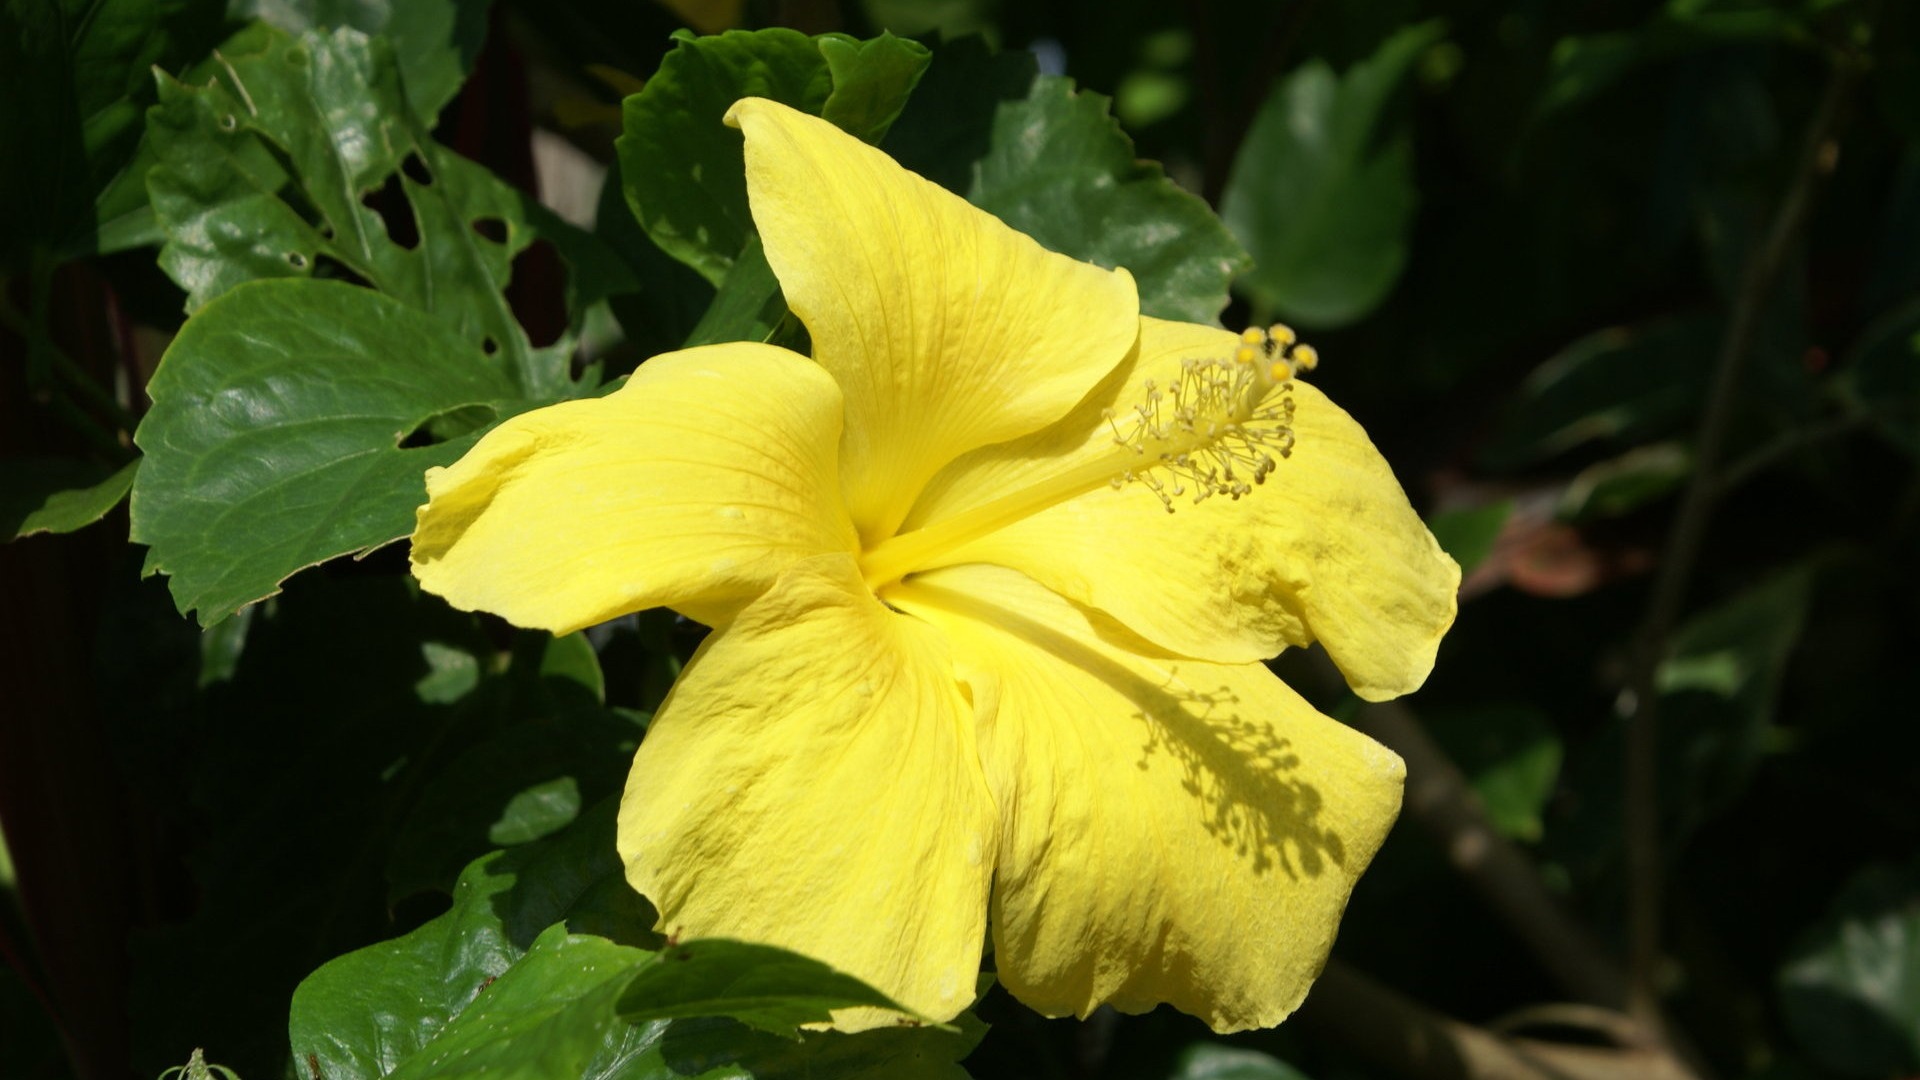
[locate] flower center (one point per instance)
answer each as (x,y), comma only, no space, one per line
(1216,429)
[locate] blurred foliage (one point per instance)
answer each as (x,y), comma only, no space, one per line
(1516,229)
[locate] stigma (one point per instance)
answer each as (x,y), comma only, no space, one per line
(1221,426)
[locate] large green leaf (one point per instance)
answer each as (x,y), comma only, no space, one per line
(1059,169)
(1851,990)
(1322,190)
(495,980)
(684,170)
(435,41)
(57,495)
(366,1013)
(767,988)
(265,172)
(275,440)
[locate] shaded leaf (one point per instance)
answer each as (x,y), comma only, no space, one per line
(1621,384)
(1468,534)
(1586,66)
(275,438)
(1624,484)
(948,123)
(684,170)
(1851,989)
(58,495)
(767,988)
(1510,753)
(1321,192)
(1059,169)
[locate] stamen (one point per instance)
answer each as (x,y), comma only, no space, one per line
(1216,431)
(1221,427)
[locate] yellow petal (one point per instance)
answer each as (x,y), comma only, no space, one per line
(812,782)
(946,329)
(694,485)
(1327,549)
(1171,830)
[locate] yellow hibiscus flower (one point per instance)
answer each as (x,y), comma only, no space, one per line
(967,671)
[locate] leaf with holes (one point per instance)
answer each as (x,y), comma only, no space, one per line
(303,159)
(293,422)
(1059,169)
(684,170)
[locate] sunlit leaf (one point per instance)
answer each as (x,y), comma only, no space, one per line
(282,434)
(1059,169)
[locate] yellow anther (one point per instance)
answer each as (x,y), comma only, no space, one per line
(1244,354)
(1306,356)
(1253,335)
(1280,372)
(1281,335)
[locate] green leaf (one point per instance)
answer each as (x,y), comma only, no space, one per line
(1214,1061)
(1851,989)
(767,988)
(286,773)
(1059,169)
(1468,534)
(1623,384)
(1622,485)
(266,171)
(1512,756)
(1585,66)
(58,495)
(368,1012)
(1719,686)
(748,305)
(948,123)
(684,170)
(435,42)
(1322,193)
(275,438)
(493,980)
(83,64)
(550,1015)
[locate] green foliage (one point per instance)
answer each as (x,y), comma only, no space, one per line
(58,495)
(565,1001)
(684,169)
(266,173)
(389,826)
(1322,192)
(279,440)
(1469,534)
(1059,169)
(1851,989)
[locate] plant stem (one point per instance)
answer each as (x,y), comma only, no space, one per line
(1682,551)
